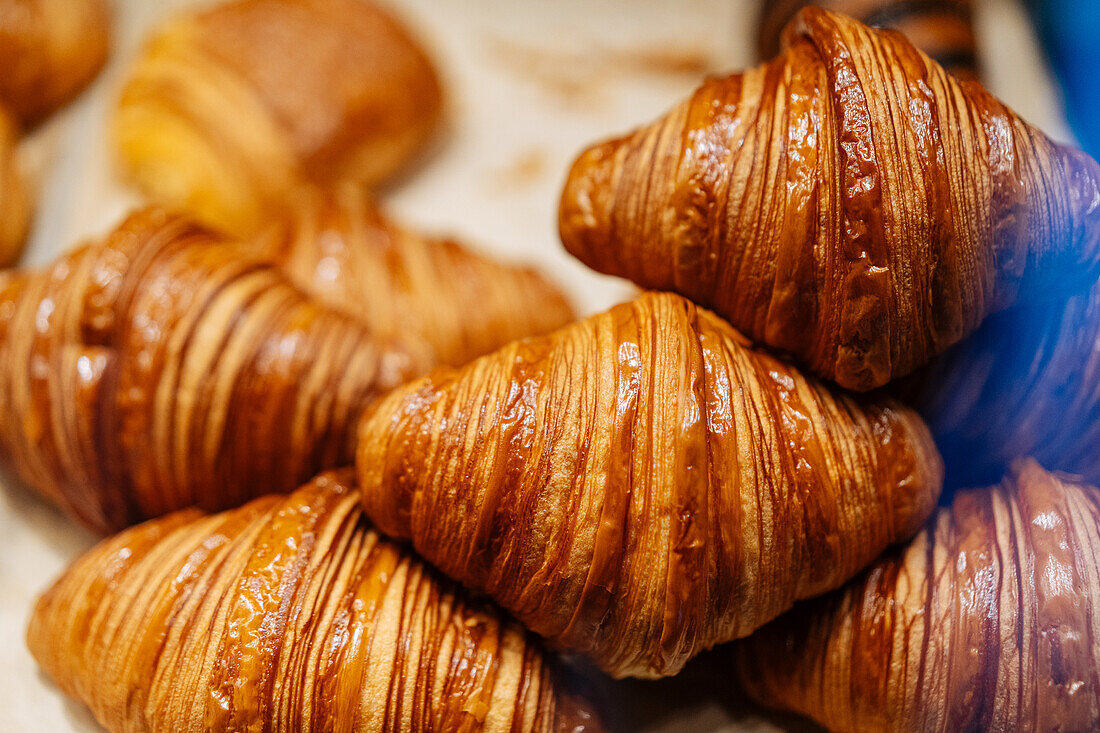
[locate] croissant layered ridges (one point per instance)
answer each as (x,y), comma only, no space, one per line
(49,51)
(230,108)
(642,485)
(849,203)
(943,29)
(985,621)
(338,246)
(289,613)
(161,369)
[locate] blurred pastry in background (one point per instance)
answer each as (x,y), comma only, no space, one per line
(337,245)
(943,29)
(49,51)
(15,202)
(228,109)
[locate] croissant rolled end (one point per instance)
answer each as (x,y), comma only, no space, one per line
(12,285)
(42,636)
(389,504)
(51,52)
(919,477)
(584,215)
(168,159)
(1085,187)
(15,201)
(1065,258)
(34,633)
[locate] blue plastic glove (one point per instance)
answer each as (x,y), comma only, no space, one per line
(1070,32)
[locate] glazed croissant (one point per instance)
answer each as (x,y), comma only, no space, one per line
(15,203)
(289,613)
(49,51)
(161,369)
(229,108)
(338,247)
(849,203)
(641,485)
(1027,383)
(984,622)
(943,29)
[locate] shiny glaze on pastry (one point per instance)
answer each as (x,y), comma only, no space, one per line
(289,613)
(849,203)
(943,29)
(985,621)
(160,369)
(49,51)
(642,485)
(229,108)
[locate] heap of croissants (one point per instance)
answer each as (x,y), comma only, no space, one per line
(383,482)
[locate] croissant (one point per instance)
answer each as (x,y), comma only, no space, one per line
(1027,383)
(337,246)
(289,613)
(943,29)
(848,203)
(49,51)
(983,622)
(160,369)
(229,108)
(15,203)
(641,485)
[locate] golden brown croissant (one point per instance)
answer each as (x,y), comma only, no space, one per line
(161,369)
(1027,383)
(289,613)
(986,621)
(943,29)
(49,51)
(641,485)
(849,203)
(338,247)
(15,203)
(231,107)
